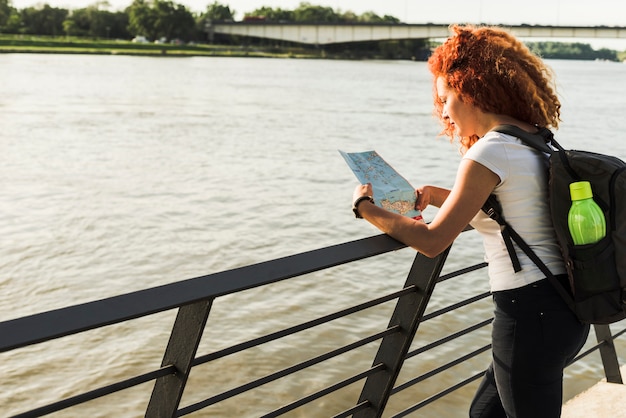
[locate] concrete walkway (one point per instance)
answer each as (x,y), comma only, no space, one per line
(601,400)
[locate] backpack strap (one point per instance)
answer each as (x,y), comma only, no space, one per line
(492,209)
(538,141)
(543,141)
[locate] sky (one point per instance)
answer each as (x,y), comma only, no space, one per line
(532,12)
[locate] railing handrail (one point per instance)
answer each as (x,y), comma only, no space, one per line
(40,327)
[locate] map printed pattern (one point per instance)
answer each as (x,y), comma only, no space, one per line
(391,191)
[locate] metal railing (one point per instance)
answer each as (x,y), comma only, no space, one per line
(194,298)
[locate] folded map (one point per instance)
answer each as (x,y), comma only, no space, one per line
(391,191)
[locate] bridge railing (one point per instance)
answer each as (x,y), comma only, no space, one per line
(332,33)
(378,384)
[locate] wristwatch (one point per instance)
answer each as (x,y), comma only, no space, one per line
(355,205)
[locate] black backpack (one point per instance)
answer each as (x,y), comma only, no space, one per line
(597,272)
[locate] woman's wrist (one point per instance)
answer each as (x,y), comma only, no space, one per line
(357,202)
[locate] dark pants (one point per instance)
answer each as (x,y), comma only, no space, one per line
(534,336)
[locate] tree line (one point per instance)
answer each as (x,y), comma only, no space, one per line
(155,19)
(573,50)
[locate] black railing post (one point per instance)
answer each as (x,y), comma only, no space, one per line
(608,354)
(393,348)
(180,352)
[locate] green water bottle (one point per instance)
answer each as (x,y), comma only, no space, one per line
(585,219)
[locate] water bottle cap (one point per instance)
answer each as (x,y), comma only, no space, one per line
(580,190)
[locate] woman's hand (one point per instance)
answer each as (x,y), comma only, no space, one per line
(423,198)
(430,195)
(362,190)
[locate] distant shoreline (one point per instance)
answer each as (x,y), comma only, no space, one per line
(69,45)
(51,46)
(63,45)
(163,53)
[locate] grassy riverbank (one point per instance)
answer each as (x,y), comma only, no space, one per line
(70,45)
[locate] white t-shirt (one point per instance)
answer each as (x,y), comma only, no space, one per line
(523,195)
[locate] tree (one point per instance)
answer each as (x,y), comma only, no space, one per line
(307,13)
(14,23)
(5,12)
(606,54)
(97,23)
(43,21)
(348,17)
(173,20)
(160,19)
(219,12)
(272,15)
(371,17)
(142,19)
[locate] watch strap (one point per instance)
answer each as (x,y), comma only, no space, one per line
(355,205)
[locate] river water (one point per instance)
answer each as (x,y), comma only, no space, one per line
(123,173)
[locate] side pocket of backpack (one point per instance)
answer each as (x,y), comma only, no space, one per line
(592,268)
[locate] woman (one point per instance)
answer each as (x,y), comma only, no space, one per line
(484,77)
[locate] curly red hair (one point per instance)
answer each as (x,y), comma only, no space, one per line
(491,69)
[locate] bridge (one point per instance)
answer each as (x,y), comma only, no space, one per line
(334,33)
